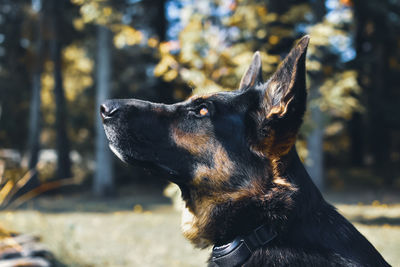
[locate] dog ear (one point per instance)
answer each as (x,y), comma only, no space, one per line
(283,104)
(253,75)
(285,94)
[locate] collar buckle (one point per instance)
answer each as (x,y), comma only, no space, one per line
(263,235)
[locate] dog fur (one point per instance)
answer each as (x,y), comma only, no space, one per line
(233,156)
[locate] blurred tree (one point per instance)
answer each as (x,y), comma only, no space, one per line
(333,84)
(207,48)
(136,29)
(315,139)
(103,183)
(377,45)
(62,143)
(15,66)
(34,117)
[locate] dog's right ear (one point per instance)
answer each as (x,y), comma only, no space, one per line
(253,75)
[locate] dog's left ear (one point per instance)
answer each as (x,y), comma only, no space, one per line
(285,93)
(282,105)
(253,75)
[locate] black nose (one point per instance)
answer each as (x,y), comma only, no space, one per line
(107,110)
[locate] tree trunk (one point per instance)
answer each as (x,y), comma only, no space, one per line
(315,160)
(158,23)
(34,112)
(34,128)
(356,125)
(356,133)
(315,140)
(373,76)
(103,183)
(380,137)
(63,147)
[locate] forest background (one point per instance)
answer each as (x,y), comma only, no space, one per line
(59,59)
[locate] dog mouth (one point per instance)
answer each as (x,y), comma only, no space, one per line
(147,164)
(117,153)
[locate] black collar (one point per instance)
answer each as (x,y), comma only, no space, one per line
(240,249)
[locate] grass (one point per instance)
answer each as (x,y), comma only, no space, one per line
(141,228)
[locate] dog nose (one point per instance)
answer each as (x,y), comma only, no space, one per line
(107,111)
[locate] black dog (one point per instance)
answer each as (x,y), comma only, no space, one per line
(233,156)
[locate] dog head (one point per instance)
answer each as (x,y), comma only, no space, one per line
(219,148)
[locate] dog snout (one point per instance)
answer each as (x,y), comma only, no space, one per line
(108,110)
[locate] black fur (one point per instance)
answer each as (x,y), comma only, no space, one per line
(233,156)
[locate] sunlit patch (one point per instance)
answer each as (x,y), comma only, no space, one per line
(187,220)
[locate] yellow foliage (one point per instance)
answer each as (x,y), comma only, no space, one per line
(152,42)
(167,62)
(170,75)
(95,11)
(107,11)
(78,2)
(296,13)
(334,128)
(126,36)
(78,70)
(209,60)
(337,94)
(273,39)
(313,65)
(47,93)
(90,11)
(78,24)
(77,76)
(321,33)
(243,59)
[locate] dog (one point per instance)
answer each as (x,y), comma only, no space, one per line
(232,154)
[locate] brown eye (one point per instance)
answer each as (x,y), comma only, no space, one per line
(203,111)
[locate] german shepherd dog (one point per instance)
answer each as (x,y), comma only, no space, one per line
(233,156)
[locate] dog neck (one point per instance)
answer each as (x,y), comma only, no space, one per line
(270,203)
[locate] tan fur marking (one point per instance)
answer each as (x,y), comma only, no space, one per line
(195,143)
(220,172)
(279,110)
(274,148)
(195,223)
(282,182)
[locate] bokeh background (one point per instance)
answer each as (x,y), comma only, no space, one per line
(59,59)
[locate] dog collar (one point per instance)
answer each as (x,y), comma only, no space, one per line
(240,249)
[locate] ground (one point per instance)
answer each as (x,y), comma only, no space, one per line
(141,228)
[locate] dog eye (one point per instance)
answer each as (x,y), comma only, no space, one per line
(203,111)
